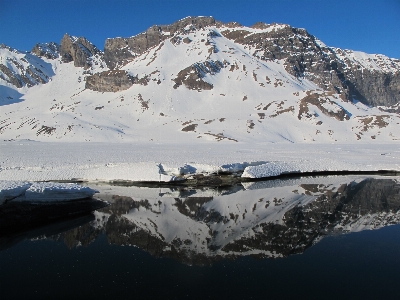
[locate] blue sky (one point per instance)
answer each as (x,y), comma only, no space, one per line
(372,26)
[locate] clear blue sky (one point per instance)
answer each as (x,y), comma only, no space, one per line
(372,26)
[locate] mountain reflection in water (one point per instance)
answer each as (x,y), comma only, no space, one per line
(262,219)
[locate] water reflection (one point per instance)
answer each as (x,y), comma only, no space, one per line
(20,221)
(47,231)
(261,219)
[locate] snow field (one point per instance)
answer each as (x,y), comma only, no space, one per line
(37,161)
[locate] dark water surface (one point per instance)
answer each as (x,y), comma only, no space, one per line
(314,238)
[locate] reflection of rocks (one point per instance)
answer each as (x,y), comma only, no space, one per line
(26,221)
(273,222)
(373,203)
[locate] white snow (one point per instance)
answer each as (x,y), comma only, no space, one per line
(38,161)
(302,166)
(18,191)
(374,62)
(12,189)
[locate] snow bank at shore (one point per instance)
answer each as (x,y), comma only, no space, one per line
(37,161)
(12,189)
(306,166)
(42,191)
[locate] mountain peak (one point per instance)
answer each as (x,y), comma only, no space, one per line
(77,49)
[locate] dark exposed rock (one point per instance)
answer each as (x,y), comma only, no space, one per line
(48,50)
(233,24)
(109,81)
(79,50)
(191,207)
(192,77)
(375,88)
(46,130)
(120,51)
(318,100)
(12,78)
(259,25)
(191,127)
(187,40)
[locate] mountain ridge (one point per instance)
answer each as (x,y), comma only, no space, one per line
(273,73)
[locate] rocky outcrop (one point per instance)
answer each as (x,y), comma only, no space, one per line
(120,51)
(79,50)
(21,69)
(375,88)
(325,105)
(109,81)
(11,77)
(192,77)
(48,50)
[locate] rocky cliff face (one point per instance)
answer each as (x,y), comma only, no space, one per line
(79,50)
(23,69)
(331,69)
(120,51)
(192,76)
(304,55)
(49,50)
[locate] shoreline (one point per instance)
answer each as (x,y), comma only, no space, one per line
(197,164)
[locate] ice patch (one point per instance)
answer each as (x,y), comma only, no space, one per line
(12,189)
(302,166)
(50,192)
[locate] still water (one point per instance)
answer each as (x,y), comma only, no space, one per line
(307,238)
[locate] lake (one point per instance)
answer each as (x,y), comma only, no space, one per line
(333,237)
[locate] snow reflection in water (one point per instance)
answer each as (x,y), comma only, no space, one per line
(212,237)
(263,219)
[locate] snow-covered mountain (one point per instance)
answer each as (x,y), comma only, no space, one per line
(199,79)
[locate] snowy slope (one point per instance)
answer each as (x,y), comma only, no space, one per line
(375,62)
